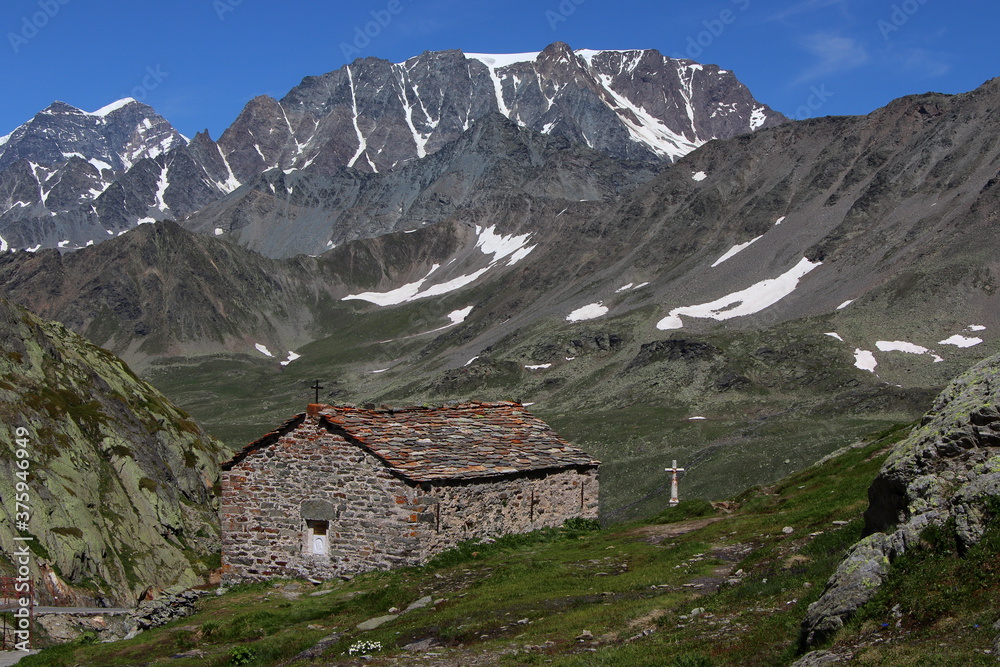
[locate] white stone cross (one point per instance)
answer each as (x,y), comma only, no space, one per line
(673,482)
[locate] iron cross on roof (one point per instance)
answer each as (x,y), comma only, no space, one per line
(317,386)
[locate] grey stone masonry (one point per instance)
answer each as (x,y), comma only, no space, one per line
(311,501)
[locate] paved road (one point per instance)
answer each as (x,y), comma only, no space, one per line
(11,657)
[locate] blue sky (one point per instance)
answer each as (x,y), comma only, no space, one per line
(199,61)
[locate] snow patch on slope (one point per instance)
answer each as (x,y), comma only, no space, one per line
(458,316)
(500,246)
(649,130)
(748,301)
(589,312)
(455,317)
(263,350)
(407,292)
(362,141)
(161,189)
(736,249)
(900,346)
(961,341)
(511,247)
(865,360)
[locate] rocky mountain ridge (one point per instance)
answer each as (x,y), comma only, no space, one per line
(627,104)
(760,229)
(478,176)
(70,178)
(117,135)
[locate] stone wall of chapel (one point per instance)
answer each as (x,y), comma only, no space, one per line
(311,474)
(517,504)
(376,520)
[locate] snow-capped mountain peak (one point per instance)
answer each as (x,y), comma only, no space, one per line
(114,106)
(122,164)
(374,115)
(503,60)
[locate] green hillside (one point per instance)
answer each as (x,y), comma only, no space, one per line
(639,593)
(773,401)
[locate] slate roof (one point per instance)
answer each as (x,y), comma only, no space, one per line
(453,442)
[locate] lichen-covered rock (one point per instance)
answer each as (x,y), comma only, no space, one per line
(947,469)
(117,482)
(950,463)
(864,569)
(817,658)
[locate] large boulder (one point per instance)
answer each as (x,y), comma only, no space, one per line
(948,468)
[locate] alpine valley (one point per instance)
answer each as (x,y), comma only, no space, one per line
(660,265)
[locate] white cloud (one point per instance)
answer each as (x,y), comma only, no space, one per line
(808,6)
(928,63)
(835,53)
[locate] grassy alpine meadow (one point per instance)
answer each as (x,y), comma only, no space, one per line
(699,584)
(737,408)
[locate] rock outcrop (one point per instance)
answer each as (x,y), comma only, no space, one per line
(114,485)
(947,472)
(119,624)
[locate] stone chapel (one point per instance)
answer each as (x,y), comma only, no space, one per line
(340,490)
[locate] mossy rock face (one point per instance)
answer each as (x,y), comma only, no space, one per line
(942,483)
(119,482)
(949,463)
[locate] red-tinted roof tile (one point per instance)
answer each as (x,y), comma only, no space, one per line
(463,441)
